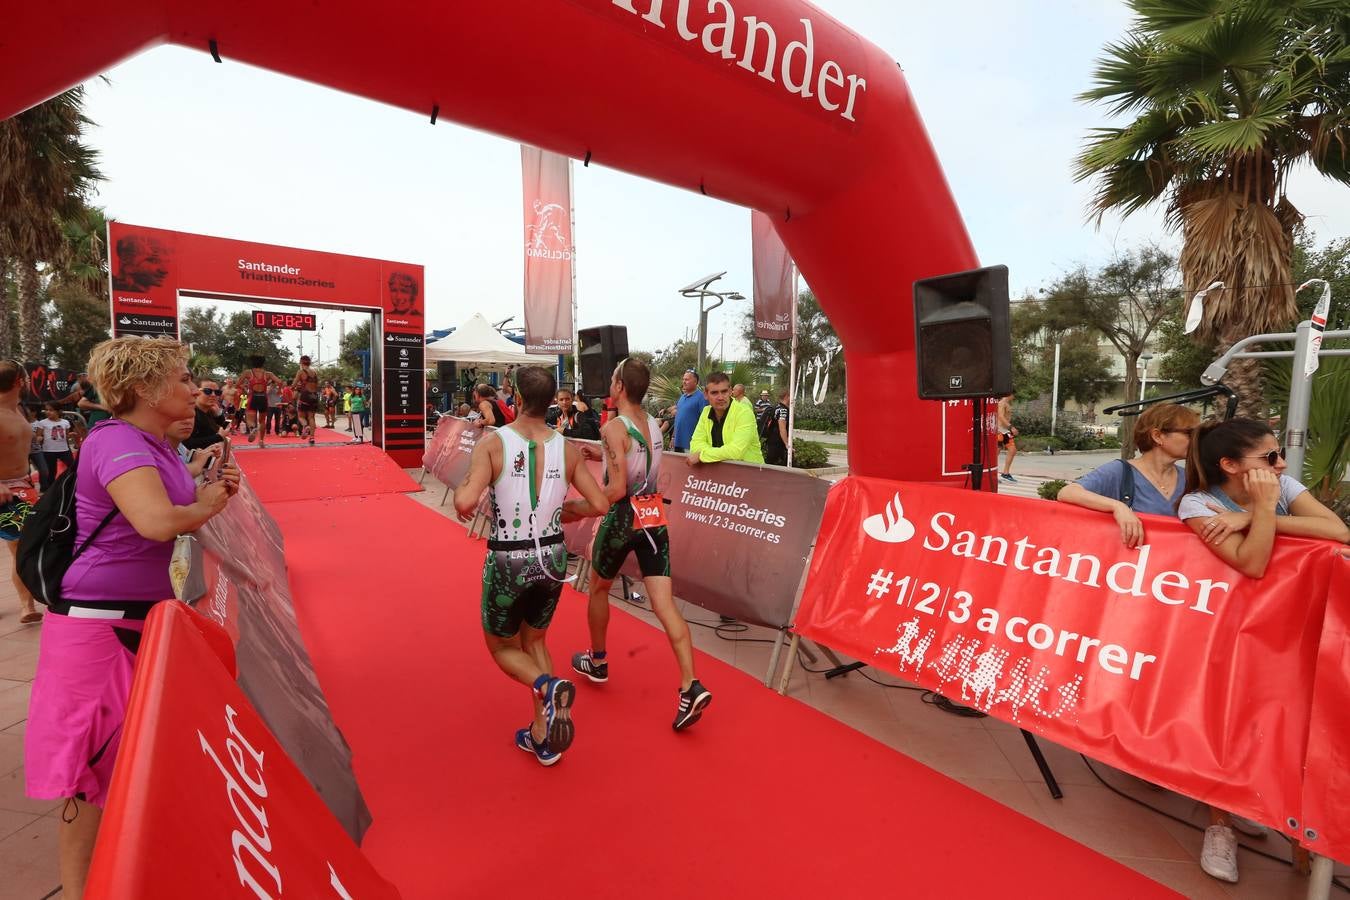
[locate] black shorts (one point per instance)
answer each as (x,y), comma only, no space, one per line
(616,538)
(1005,438)
(257,403)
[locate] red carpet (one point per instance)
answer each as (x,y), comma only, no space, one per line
(765,797)
(305,473)
(321,435)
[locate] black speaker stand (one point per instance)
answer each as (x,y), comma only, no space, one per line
(977,483)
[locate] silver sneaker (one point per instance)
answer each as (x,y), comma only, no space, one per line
(1218,856)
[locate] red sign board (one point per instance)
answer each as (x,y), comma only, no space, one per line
(204,802)
(1160,660)
(150,267)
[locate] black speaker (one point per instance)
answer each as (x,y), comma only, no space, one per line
(602,348)
(963,336)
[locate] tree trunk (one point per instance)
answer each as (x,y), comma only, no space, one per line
(30,318)
(6,337)
(1131,395)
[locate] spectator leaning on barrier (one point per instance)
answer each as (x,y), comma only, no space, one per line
(686,410)
(1237,499)
(133,483)
(725,430)
(773,431)
(1153,482)
(574,421)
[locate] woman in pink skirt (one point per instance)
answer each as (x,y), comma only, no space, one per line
(89,640)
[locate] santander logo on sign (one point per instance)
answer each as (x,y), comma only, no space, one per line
(890,526)
(1128,572)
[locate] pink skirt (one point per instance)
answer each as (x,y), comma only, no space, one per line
(79,701)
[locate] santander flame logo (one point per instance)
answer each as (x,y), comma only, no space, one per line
(890,526)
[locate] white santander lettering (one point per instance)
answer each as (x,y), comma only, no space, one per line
(254,836)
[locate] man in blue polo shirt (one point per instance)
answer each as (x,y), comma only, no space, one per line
(687,410)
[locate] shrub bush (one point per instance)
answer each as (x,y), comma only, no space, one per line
(832,415)
(1049,490)
(809,454)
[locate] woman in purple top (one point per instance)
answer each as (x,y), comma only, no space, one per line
(89,640)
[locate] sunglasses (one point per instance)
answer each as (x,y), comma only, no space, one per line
(211,392)
(1271,458)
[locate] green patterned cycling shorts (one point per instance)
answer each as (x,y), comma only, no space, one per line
(616,538)
(516,588)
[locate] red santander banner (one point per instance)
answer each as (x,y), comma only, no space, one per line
(1160,660)
(204,802)
(549,250)
(151,266)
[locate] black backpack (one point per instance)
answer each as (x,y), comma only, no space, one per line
(47,542)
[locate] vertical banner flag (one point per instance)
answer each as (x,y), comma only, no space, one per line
(1319,324)
(773,280)
(548,251)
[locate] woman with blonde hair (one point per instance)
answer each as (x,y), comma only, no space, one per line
(1152,482)
(133,497)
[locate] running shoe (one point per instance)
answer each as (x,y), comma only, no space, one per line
(525,741)
(252,435)
(585,664)
(1218,856)
(1008,478)
(558,695)
(692,703)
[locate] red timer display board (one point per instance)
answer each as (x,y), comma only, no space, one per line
(291,321)
(151,267)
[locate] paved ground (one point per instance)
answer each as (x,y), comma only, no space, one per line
(1030,469)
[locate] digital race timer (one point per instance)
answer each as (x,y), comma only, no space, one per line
(291,321)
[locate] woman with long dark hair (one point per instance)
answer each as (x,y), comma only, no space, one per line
(1237,499)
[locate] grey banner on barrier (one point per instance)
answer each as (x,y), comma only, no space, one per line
(455,439)
(740,535)
(249,594)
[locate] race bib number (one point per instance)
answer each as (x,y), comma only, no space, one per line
(27,495)
(649,511)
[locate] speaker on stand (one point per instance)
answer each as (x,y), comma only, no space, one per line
(601,349)
(963,350)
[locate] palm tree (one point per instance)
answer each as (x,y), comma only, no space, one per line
(1228,96)
(46,174)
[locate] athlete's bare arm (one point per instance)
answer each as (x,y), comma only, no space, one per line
(593,501)
(614,444)
(484,466)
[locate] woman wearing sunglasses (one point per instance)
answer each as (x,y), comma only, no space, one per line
(1238,497)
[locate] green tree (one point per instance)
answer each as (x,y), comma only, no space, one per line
(815,337)
(1225,97)
(46,174)
(233,340)
(1124,301)
(353,341)
(80,322)
(1083,373)
(1330,261)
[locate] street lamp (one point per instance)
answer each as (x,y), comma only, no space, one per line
(1143,373)
(700,289)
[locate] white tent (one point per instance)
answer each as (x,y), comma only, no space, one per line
(476,343)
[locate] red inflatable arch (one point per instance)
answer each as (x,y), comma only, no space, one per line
(816,125)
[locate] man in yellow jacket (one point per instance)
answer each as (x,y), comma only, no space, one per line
(725,430)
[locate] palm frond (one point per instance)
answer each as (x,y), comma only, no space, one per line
(1178,20)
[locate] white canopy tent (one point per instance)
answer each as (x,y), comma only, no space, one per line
(476,343)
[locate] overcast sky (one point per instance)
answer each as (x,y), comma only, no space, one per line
(238,152)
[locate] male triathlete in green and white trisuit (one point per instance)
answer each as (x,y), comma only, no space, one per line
(528,467)
(635,523)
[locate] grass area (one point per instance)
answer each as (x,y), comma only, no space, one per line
(830,446)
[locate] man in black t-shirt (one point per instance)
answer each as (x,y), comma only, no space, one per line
(773,432)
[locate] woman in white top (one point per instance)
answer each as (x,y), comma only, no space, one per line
(1237,499)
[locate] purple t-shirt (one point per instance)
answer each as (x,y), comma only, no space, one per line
(120,564)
